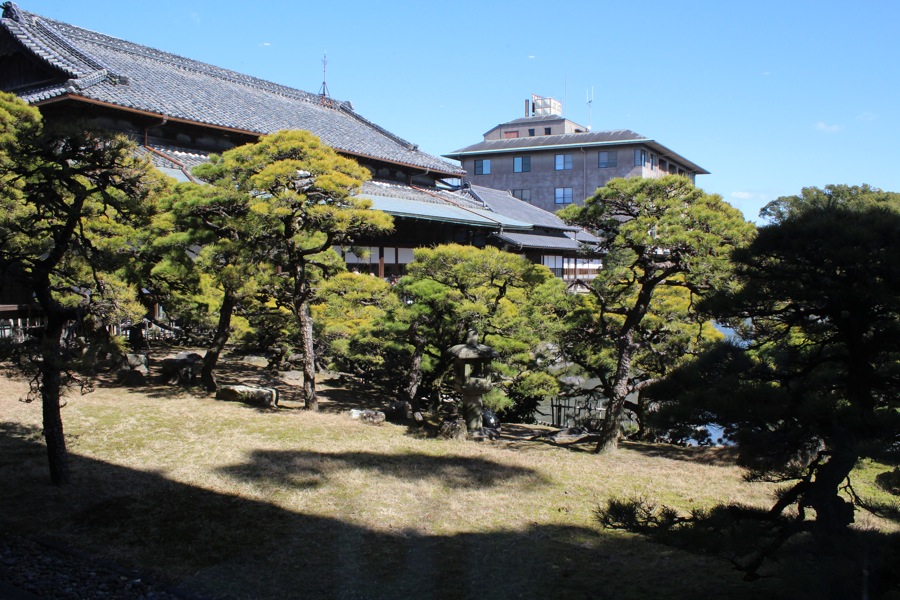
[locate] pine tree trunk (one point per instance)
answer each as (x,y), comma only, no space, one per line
(641,412)
(615,406)
(311,402)
(833,513)
(50,382)
(414,379)
(609,430)
(223,332)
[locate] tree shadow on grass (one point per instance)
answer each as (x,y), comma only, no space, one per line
(303,469)
(340,392)
(816,562)
(221,545)
(725,456)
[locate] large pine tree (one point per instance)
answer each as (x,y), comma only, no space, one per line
(70,203)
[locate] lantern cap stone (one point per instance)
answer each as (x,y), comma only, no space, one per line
(472,350)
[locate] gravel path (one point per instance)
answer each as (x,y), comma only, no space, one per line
(32,570)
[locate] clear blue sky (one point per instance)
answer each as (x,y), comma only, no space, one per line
(770,96)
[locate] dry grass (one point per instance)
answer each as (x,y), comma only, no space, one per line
(228,500)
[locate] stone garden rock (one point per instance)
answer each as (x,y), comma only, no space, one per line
(136,361)
(490,419)
(132,377)
(249,394)
(134,370)
(399,412)
(182,369)
(371,417)
(256,361)
(453,429)
(294,378)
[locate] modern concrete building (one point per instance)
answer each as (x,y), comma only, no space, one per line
(550,161)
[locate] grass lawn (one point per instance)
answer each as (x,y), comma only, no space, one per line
(231,501)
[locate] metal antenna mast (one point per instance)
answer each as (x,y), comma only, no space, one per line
(590,103)
(323,91)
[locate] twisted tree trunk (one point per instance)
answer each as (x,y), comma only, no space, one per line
(51,387)
(310,400)
(223,332)
(414,378)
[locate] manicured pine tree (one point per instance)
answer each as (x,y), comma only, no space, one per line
(655,234)
(72,201)
(300,198)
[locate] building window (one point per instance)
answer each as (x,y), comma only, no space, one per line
(531,132)
(640,158)
(510,134)
(563,162)
(483,167)
(522,164)
(522,194)
(563,195)
(608,159)
(652,161)
(546,131)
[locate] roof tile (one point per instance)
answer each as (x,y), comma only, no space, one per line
(107,69)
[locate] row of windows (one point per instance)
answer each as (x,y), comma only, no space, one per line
(560,195)
(642,158)
(605,160)
(507,135)
(562,162)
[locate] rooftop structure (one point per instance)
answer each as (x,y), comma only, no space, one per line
(178,102)
(550,161)
(179,110)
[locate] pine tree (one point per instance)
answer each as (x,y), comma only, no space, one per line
(72,201)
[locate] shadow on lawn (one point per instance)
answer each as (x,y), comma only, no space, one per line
(722,455)
(303,469)
(224,546)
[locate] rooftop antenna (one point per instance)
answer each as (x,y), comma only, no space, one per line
(325,97)
(590,103)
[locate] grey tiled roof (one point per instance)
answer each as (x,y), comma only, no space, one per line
(561,139)
(518,223)
(573,141)
(420,194)
(109,70)
(501,201)
(534,119)
(529,240)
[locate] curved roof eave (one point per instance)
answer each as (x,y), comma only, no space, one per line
(127,76)
(62,94)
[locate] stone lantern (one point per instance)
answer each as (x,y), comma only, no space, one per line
(472,377)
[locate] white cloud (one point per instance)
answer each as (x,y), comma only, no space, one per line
(265,44)
(866,116)
(742,195)
(824,127)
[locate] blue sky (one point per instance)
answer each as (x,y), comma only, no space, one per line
(769,96)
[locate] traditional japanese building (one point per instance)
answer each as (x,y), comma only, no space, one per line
(179,111)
